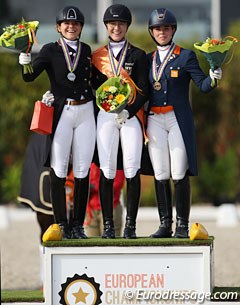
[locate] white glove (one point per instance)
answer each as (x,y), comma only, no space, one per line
(48,98)
(24,58)
(122,117)
(216,74)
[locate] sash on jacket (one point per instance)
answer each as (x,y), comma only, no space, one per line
(102,62)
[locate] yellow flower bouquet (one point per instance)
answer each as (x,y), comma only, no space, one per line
(215,50)
(113,95)
(21,37)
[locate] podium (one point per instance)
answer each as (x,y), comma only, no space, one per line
(141,271)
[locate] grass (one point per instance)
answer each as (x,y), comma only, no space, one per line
(37,295)
(21,296)
(121,242)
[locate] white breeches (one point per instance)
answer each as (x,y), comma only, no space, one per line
(166,147)
(108,135)
(76,136)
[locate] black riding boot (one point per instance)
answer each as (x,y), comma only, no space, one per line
(58,197)
(106,199)
(81,193)
(133,197)
(164,203)
(182,199)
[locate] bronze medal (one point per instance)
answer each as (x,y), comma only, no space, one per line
(157,86)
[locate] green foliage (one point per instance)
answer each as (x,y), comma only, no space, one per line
(148,197)
(16,107)
(10,182)
(218,179)
(141,39)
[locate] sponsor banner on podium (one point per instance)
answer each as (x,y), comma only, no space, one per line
(127,275)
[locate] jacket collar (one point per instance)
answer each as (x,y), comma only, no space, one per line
(176,52)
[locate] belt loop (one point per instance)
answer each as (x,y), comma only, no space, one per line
(68,104)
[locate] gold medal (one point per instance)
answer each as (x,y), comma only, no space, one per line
(157,86)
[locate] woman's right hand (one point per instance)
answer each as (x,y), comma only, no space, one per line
(24,58)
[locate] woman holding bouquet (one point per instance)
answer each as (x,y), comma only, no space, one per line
(120,58)
(170,125)
(68,65)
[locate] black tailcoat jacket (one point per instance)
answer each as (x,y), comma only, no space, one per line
(51,59)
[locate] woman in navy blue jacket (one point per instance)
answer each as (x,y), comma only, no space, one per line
(170,124)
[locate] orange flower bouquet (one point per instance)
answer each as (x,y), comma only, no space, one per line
(113,95)
(21,37)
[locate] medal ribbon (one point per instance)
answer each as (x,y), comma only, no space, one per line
(116,70)
(71,64)
(157,73)
(101,61)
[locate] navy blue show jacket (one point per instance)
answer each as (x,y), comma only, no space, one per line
(181,68)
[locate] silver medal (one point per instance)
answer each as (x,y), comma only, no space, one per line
(71,76)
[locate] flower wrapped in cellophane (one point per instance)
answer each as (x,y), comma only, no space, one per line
(113,95)
(215,50)
(20,37)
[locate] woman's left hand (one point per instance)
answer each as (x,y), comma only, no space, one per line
(122,117)
(48,98)
(217,73)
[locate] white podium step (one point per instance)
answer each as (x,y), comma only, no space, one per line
(154,274)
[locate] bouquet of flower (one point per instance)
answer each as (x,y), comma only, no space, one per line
(113,95)
(215,51)
(21,37)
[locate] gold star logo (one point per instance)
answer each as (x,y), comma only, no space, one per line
(80,290)
(80,296)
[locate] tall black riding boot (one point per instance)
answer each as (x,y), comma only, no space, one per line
(182,200)
(58,197)
(133,198)
(106,199)
(81,193)
(164,203)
